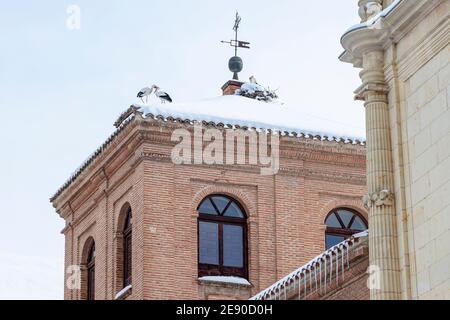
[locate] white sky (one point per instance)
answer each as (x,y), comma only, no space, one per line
(61,91)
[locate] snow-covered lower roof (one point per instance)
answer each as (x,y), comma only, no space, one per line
(234,110)
(344,246)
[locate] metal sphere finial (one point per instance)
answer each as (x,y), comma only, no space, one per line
(235,65)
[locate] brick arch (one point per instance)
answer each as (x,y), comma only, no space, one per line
(118,243)
(86,247)
(240,196)
(83,265)
(354,204)
(122,216)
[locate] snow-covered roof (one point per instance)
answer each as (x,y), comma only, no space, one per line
(299,273)
(232,111)
(370,22)
(235,110)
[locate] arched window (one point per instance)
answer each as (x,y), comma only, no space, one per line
(91,273)
(127,249)
(222,237)
(341,224)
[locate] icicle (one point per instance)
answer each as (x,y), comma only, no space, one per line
(285,294)
(304,283)
(331,267)
(320,274)
(302,278)
(342,262)
(315,273)
(310,278)
(348,256)
(337,267)
(299,287)
(325,272)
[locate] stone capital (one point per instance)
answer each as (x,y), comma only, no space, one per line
(378,199)
(375,88)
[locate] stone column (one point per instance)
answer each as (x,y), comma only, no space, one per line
(383,248)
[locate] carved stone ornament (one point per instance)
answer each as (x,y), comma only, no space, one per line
(378,199)
(369,8)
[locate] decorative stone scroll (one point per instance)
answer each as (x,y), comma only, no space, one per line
(369,8)
(378,199)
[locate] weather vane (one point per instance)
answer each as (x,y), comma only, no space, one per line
(235,64)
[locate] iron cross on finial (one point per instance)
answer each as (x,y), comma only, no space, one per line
(235,64)
(237,43)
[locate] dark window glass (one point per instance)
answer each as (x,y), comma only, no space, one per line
(358,224)
(233,245)
(221,203)
(332,221)
(207,207)
(234,211)
(333,240)
(341,224)
(222,228)
(346,217)
(209,243)
(127,249)
(91,273)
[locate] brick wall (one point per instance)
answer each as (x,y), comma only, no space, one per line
(286,212)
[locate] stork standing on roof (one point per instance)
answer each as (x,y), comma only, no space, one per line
(253,80)
(164,96)
(145,92)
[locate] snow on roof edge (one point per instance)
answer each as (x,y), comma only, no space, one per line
(370,22)
(128,115)
(283,281)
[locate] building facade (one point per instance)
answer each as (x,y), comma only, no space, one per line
(142,227)
(402,49)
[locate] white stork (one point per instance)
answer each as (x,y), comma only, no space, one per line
(164,96)
(253,80)
(145,92)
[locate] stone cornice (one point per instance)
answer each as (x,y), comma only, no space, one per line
(388,27)
(414,59)
(284,170)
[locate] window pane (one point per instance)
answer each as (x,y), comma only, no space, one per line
(207,208)
(345,216)
(91,255)
(332,221)
(208,243)
(332,240)
(233,211)
(128,221)
(220,202)
(358,224)
(233,246)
